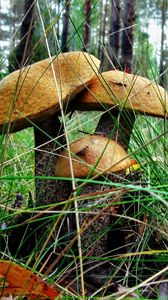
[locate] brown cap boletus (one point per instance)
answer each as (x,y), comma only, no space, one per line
(35,92)
(93,154)
(117,88)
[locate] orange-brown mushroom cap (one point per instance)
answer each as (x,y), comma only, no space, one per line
(116,88)
(93,154)
(35,93)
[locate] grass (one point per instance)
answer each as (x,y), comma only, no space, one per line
(17,160)
(136,204)
(145,256)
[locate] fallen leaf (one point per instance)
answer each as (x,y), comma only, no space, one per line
(18,281)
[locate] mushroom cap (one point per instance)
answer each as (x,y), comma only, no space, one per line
(93,153)
(117,88)
(33,92)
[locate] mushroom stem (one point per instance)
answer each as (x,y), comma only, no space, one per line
(94,154)
(48,191)
(47,142)
(117,126)
(35,94)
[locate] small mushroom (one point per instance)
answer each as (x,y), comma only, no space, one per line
(93,154)
(35,92)
(116,88)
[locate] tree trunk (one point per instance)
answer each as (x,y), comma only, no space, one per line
(86,33)
(100,28)
(115,34)
(24,49)
(58,21)
(103,33)
(162,55)
(65,30)
(127,37)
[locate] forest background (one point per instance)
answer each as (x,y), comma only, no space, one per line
(99,25)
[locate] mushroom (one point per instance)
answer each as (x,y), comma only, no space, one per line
(34,94)
(122,90)
(32,97)
(93,154)
(36,91)
(125,94)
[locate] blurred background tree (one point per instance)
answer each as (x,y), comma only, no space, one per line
(119,32)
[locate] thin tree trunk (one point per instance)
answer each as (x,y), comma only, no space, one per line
(65,30)
(127,37)
(24,49)
(162,58)
(58,21)
(102,57)
(86,33)
(114,34)
(100,28)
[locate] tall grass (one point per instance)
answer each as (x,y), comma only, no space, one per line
(139,210)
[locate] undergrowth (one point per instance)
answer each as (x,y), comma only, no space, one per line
(42,236)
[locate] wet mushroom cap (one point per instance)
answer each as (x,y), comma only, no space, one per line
(34,93)
(116,88)
(93,154)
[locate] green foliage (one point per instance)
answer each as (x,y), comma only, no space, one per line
(149,140)
(81,123)
(3,67)
(145,61)
(17,158)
